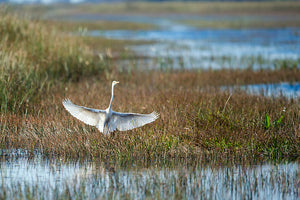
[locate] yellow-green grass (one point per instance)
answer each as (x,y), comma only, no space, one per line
(34,57)
(75,26)
(111,47)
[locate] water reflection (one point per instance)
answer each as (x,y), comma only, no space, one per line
(42,178)
(214,48)
(289,90)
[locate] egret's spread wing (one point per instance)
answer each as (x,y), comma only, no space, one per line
(128,121)
(87,115)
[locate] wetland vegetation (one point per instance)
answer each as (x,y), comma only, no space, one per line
(205,137)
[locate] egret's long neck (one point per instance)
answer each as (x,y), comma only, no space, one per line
(112,96)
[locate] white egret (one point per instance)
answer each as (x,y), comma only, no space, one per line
(108,120)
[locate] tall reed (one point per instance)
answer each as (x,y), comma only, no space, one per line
(34,57)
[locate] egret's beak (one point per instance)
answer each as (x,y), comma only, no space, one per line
(117,82)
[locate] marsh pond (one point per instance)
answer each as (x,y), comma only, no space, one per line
(34,177)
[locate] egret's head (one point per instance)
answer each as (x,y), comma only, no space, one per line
(115,83)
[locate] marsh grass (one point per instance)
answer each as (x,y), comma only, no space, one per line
(196,121)
(34,57)
(72,25)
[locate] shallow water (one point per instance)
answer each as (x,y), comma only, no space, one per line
(215,49)
(41,178)
(289,90)
(178,46)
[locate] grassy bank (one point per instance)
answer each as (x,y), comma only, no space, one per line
(197,121)
(75,26)
(34,57)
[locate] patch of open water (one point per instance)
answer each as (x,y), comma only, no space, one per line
(178,46)
(198,48)
(289,90)
(42,178)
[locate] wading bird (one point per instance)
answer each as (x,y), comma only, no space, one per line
(108,120)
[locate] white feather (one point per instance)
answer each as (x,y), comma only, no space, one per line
(89,116)
(128,121)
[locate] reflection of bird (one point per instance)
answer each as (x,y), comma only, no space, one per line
(108,120)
